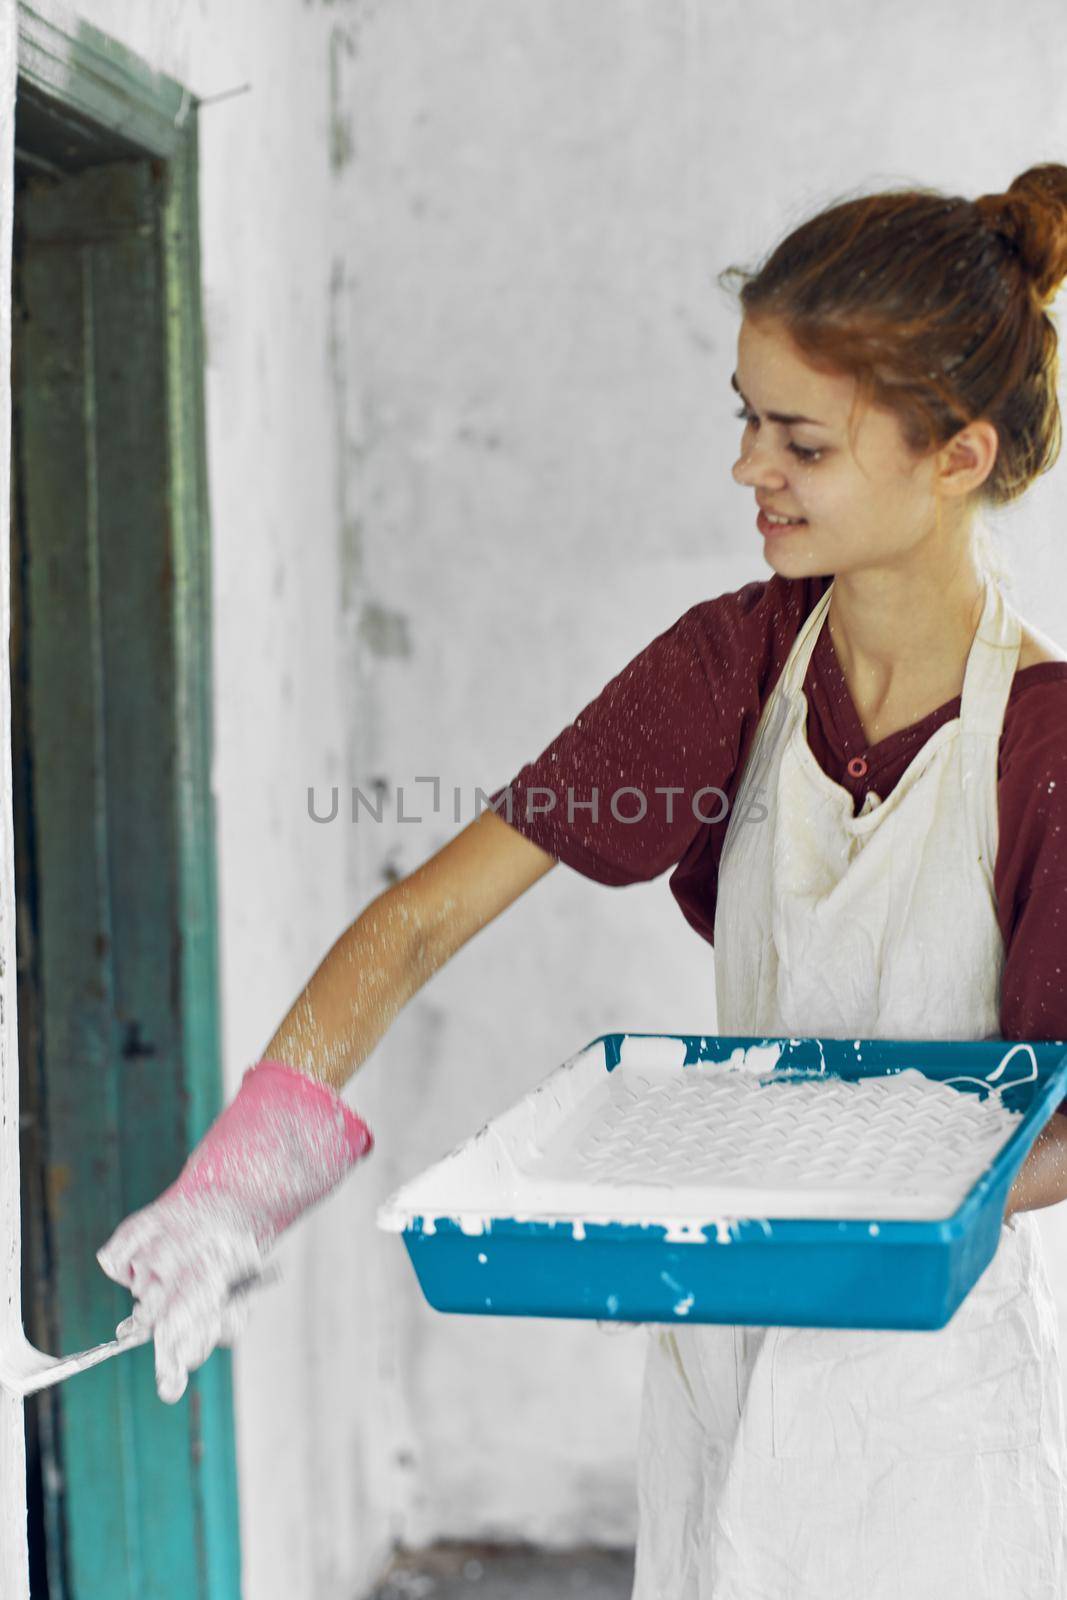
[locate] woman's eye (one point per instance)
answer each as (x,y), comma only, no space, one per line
(798,450)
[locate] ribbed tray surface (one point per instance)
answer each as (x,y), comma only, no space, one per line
(903,1135)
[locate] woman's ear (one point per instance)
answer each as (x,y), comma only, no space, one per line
(968,458)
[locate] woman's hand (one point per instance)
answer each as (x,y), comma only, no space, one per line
(1042,1178)
(281,1145)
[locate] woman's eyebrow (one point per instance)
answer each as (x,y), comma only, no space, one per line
(776,416)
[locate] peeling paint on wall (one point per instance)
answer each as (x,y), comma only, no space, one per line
(386,632)
(341,131)
(480,438)
(350,528)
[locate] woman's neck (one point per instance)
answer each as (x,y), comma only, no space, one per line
(902,635)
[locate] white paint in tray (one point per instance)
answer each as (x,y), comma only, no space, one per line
(701,1148)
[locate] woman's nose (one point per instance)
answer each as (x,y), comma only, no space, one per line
(753,470)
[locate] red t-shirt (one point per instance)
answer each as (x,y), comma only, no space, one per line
(681,716)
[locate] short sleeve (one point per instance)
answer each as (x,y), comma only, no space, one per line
(1034,988)
(622,793)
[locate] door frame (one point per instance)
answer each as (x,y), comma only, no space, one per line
(107,90)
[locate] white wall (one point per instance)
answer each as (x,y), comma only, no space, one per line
(470,434)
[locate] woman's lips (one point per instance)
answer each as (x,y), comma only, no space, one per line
(769,529)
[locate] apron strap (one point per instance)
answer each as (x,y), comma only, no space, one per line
(987,683)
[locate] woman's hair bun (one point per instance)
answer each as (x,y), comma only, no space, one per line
(1032,216)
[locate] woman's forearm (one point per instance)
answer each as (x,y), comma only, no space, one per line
(400,941)
(1042,1178)
(358,988)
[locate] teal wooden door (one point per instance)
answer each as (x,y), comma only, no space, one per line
(116,852)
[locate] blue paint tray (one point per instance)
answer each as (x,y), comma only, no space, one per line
(548,1211)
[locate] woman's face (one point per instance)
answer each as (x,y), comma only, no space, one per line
(865,505)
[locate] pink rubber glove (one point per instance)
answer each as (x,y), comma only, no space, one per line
(280,1146)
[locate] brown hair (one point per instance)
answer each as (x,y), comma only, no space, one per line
(936,305)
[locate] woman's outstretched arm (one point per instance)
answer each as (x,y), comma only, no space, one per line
(287,1139)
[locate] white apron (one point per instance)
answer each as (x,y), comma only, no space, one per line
(839,1464)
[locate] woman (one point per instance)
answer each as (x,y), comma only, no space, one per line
(890,860)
